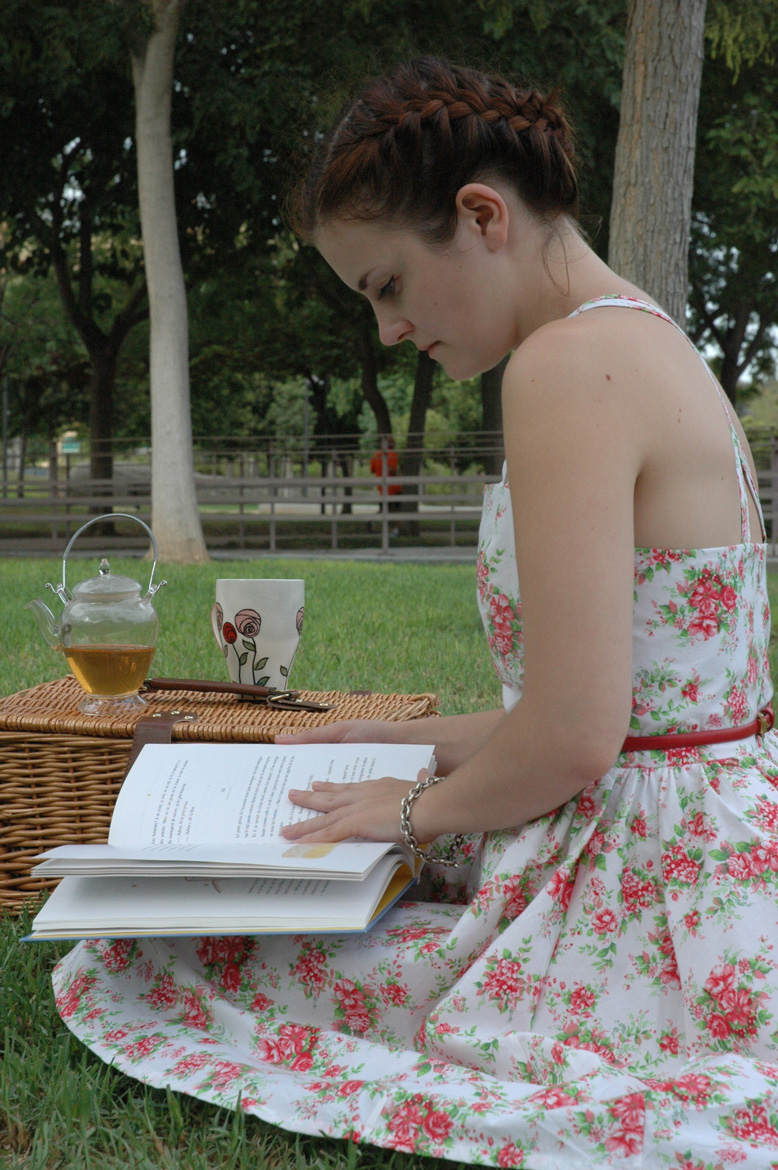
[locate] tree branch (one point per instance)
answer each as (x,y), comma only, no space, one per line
(127,317)
(85,258)
(708,318)
(754,344)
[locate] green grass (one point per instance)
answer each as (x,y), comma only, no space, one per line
(385,627)
(389,627)
(410,628)
(63,1109)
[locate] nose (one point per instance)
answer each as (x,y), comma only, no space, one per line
(392,329)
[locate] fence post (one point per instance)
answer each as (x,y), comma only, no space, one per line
(5,437)
(273,514)
(453,525)
(384,494)
(331,474)
(241,522)
(53,493)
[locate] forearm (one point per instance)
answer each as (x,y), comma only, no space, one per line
(456,737)
(527,767)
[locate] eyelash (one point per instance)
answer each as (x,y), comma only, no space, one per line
(387,290)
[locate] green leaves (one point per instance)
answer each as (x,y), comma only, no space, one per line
(743,32)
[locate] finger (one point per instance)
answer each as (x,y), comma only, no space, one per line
(326,734)
(329,836)
(323,828)
(329,733)
(320,801)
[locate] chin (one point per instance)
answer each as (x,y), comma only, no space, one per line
(460,364)
(461,369)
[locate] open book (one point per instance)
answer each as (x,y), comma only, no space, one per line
(195,847)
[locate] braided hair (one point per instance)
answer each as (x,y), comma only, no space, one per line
(411,139)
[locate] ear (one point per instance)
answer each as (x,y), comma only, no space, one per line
(483,211)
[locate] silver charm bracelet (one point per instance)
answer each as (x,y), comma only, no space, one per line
(407,831)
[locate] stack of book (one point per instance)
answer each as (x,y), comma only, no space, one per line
(195,847)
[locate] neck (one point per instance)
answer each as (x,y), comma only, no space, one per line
(567,274)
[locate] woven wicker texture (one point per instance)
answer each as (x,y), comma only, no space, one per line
(60,771)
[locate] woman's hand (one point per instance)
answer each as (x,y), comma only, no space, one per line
(456,737)
(369,809)
(349,731)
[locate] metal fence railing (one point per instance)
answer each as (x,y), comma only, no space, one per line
(339,503)
(261,511)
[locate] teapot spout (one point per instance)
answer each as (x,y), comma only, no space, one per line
(153,589)
(47,623)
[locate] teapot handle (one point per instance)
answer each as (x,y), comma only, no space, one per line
(96,520)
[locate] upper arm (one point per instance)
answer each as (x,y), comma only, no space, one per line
(573,452)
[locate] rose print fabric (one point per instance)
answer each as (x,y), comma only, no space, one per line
(596,989)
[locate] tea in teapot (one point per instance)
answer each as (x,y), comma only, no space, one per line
(107,631)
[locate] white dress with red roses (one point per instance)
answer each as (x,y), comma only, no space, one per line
(600,990)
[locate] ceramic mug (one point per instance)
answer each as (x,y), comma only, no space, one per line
(257,625)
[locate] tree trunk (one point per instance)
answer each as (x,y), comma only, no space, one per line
(369,379)
(175,517)
(491,417)
(22,461)
(412,458)
(101,383)
(654,166)
(731,345)
(413,455)
(346,463)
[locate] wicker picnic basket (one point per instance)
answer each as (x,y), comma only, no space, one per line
(60,770)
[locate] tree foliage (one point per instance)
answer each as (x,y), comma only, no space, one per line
(70,203)
(734,254)
(254,83)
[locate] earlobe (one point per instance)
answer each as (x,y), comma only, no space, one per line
(483,210)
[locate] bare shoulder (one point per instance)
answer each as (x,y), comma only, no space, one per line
(586,361)
(627,363)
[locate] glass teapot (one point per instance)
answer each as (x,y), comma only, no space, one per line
(107,630)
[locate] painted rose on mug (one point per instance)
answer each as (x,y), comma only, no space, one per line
(257,625)
(248,622)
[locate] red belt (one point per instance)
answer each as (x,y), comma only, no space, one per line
(763,723)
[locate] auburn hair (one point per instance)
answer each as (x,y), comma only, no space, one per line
(403,148)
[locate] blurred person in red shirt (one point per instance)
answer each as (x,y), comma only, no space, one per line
(392,468)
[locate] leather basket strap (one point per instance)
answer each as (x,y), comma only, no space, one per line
(156,728)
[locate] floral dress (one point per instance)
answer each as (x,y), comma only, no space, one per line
(599,990)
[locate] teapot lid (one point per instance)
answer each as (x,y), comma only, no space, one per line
(106,587)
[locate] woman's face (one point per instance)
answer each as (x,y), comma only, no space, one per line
(449,301)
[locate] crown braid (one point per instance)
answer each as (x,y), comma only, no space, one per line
(411,140)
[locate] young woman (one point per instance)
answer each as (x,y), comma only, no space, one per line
(598,984)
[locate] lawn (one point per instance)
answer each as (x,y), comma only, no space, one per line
(408,628)
(385,627)
(411,628)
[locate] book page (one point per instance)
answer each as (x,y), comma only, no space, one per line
(184,794)
(96,907)
(346,860)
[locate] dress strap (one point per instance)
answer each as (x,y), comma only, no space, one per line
(745,479)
